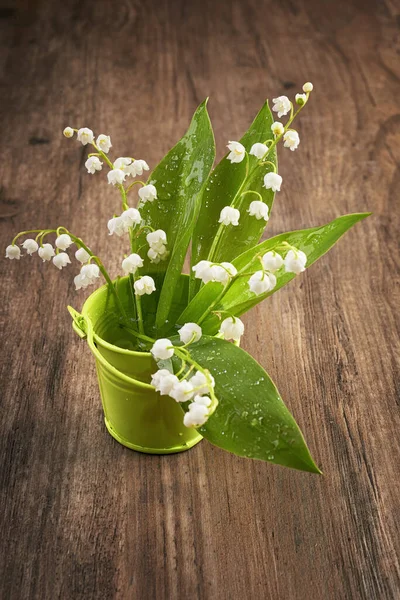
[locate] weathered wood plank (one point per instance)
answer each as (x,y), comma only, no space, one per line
(82,516)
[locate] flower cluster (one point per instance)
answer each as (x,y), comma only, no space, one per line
(208,271)
(157,241)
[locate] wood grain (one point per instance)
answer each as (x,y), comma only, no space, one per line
(83,517)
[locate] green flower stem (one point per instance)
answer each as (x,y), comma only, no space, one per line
(139,313)
(184,354)
(134,183)
(132,279)
(217,299)
(253,192)
(39,231)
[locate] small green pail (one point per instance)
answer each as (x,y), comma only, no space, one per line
(134,413)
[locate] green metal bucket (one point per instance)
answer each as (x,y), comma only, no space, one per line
(134,413)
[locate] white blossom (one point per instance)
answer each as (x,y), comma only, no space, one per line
(156,255)
(229,216)
(301,99)
(295,261)
(196,416)
(201,384)
(130,217)
(222,272)
(190,332)
(30,246)
(61,260)
(85,136)
(203,271)
(93,164)
(157,238)
(292,139)
(104,143)
(82,255)
(277,128)
(162,349)
(117,225)
(259,210)
(282,105)
(308,87)
(147,193)
(122,163)
(132,263)
(13,252)
(259,150)
(261,282)
(202,400)
(87,276)
(237,152)
(182,391)
(68,132)
(63,241)
(144,285)
(273,181)
(46,252)
(163,380)
(232,328)
(272,261)
(116,176)
(137,167)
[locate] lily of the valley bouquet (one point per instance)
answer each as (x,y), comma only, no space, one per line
(188,327)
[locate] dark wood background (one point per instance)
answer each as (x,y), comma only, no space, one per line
(83,517)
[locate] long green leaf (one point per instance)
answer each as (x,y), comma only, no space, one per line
(251,419)
(220,191)
(239,299)
(179,178)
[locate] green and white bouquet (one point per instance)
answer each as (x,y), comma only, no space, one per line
(221,214)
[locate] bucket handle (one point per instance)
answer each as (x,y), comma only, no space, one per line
(83,326)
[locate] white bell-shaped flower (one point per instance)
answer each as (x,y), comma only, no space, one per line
(277,128)
(63,241)
(131,217)
(222,273)
(301,99)
(190,332)
(122,163)
(259,150)
(46,252)
(273,181)
(157,238)
(30,246)
(202,400)
(137,167)
(144,285)
(13,252)
(237,152)
(272,261)
(93,164)
(117,226)
(308,87)
(203,271)
(261,282)
(182,391)
(116,176)
(259,210)
(87,276)
(201,384)
(292,139)
(229,216)
(132,263)
(162,349)
(232,328)
(164,381)
(196,416)
(68,132)
(295,261)
(282,105)
(103,142)
(82,255)
(85,136)
(147,193)
(158,255)
(61,260)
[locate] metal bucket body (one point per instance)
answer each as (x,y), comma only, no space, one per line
(135,414)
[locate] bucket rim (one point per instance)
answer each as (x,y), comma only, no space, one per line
(97,338)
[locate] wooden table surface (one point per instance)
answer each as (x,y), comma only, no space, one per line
(82,516)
